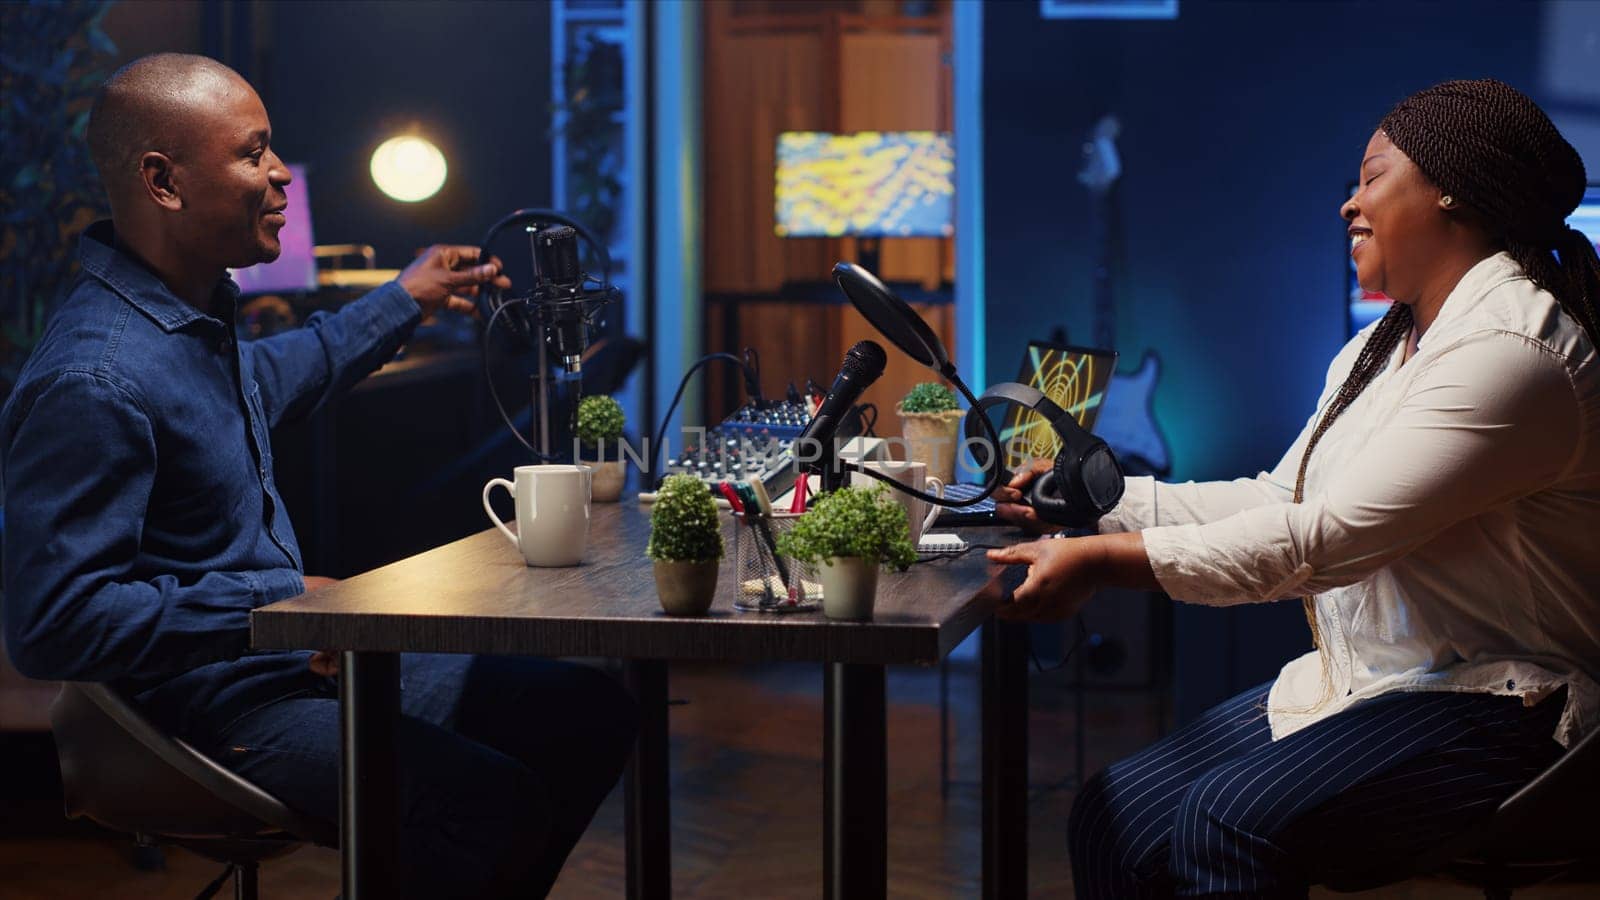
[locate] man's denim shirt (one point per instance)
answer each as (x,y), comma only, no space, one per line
(142,521)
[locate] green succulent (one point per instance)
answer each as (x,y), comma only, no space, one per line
(929,397)
(683,524)
(600,419)
(852,521)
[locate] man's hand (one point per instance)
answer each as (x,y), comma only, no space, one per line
(1008,499)
(323,662)
(447,276)
(1062,574)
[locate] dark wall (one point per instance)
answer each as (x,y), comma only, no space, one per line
(140,28)
(1242,125)
(473,77)
(338,79)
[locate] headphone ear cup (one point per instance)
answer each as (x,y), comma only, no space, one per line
(1102,479)
(1046,499)
(1078,499)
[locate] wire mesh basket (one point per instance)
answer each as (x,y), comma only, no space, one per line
(769,582)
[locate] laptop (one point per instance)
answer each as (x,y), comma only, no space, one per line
(1076,378)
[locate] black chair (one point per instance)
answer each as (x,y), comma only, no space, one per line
(1547,831)
(121,771)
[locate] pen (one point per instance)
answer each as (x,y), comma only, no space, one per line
(757,507)
(801,486)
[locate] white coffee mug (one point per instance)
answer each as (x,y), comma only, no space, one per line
(552,506)
(919,513)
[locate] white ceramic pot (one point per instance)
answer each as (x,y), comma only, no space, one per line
(608,478)
(849,587)
(686,587)
(933,439)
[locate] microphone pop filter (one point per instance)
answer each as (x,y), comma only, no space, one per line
(891,316)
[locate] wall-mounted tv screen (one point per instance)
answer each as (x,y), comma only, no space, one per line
(1366,306)
(868,184)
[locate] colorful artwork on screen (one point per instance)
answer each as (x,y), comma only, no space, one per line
(869,184)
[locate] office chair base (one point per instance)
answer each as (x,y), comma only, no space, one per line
(147,855)
(244,882)
(1499,879)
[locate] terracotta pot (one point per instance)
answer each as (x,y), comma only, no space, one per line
(686,587)
(849,587)
(608,478)
(933,439)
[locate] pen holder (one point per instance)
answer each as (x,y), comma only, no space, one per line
(762,586)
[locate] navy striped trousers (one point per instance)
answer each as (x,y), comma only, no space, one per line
(1217,808)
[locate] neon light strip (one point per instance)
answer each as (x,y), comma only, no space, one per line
(972,357)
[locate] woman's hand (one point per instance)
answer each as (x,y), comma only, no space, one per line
(1008,499)
(1062,574)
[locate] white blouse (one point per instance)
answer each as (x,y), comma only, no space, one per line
(1450,532)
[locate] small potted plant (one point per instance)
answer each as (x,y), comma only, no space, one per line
(600,422)
(852,531)
(686,544)
(931,422)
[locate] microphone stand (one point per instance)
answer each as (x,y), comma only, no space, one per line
(541,397)
(541,400)
(829,469)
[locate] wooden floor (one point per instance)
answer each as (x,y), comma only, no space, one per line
(747,802)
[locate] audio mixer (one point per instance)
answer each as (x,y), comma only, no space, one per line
(752,444)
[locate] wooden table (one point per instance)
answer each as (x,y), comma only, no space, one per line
(476,596)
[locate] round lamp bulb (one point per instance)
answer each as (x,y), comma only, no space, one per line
(408,168)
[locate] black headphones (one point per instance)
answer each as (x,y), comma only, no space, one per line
(1086,481)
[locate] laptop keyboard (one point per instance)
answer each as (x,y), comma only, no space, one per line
(980,513)
(967,492)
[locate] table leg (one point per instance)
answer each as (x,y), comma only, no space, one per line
(856,794)
(645,787)
(369,823)
(1005,761)
(944,729)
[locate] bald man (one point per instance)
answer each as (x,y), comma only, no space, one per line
(143,522)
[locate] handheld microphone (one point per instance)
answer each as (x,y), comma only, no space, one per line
(863,364)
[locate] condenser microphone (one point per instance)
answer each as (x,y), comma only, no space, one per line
(863,363)
(559,289)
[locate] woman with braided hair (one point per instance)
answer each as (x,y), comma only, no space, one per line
(1440,514)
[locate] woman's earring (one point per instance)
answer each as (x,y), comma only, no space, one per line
(1447,201)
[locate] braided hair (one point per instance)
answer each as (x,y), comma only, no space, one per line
(1488,146)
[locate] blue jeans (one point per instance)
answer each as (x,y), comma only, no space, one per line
(1219,809)
(502,763)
